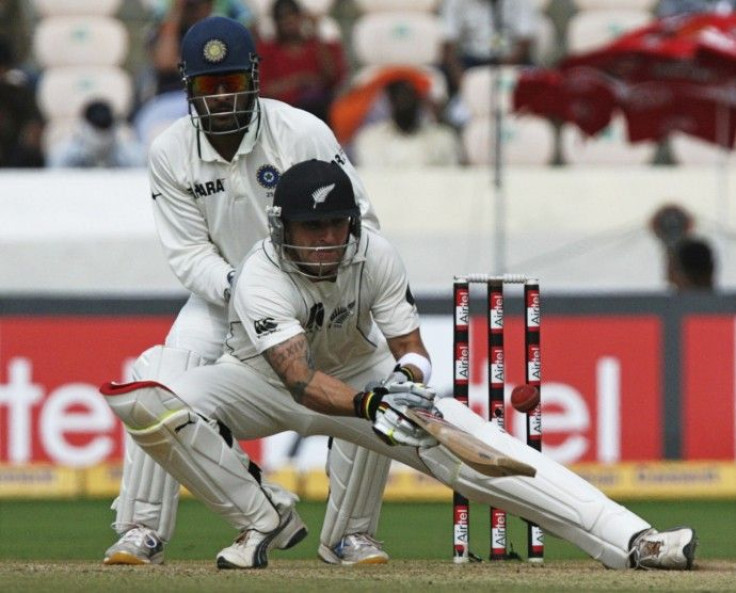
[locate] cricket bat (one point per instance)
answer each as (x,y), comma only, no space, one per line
(471,450)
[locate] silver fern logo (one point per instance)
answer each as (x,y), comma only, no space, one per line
(320,195)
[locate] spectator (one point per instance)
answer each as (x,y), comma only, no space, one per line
(670,224)
(667,8)
(21,124)
(689,261)
(691,265)
(471,38)
(300,68)
(15,26)
(172,18)
(410,137)
(97,141)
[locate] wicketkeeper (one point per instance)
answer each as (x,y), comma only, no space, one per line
(325,340)
(211,175)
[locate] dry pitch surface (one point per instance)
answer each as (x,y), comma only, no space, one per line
(308,576)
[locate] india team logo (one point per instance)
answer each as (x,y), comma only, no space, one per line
(268,176)
(214,51)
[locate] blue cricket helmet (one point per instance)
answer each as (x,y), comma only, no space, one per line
(216,45)
(213,46)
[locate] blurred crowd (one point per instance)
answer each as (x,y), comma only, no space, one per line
(386,113)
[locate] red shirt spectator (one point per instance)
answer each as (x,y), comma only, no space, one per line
(299,67)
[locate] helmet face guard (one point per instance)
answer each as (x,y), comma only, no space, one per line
(314,191)
(223,112)
(219,68)
(295,258)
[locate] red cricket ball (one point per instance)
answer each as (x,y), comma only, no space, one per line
(525,398)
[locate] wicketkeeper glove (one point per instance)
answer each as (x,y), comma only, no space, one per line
(384,405)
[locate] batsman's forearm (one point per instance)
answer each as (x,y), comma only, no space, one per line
(327,395)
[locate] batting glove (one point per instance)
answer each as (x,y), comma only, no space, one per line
(398,375)
(385,407)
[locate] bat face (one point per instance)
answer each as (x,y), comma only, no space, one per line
(471,450)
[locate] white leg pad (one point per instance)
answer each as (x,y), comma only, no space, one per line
(357,480)
(148,495)
(194,453)
(558,500)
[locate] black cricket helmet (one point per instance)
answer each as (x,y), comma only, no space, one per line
(314,190)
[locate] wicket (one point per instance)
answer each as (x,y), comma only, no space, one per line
(496,389)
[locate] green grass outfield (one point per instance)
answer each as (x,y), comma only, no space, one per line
(58,545)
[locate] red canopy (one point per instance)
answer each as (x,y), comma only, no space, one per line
(676,74)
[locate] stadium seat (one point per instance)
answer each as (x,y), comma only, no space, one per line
(328,28)
(317,7)
(80,41)
(397,38)
(610,147)
(64,91)
(688,150)
(525,141)
(591,29)
(366,6)
(476,88)
(647,5)
(48,8)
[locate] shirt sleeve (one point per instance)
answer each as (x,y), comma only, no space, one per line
(184,235)
(265,306)
(394,309)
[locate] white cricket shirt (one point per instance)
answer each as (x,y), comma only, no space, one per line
(346,321)
(209,212)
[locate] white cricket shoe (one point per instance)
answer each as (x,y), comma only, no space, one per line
(673,549)
(139,545)
(250,549)
(356,548)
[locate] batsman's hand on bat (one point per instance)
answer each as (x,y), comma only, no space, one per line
(398,375)
(385,404)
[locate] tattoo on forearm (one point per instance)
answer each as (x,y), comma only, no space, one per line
(293,363)
(297,391)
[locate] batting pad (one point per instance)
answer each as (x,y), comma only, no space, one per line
(556,499)
(193,452)
(357,480)
(148,495)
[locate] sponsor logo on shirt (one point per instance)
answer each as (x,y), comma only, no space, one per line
(207,188)
(268,176)
(341,315)
(265,326)
(316,318)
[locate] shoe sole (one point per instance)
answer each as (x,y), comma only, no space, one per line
(689,551)
(125,558)
(329,557)
(295,539)
(260,556)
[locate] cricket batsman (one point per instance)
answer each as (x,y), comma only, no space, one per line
(324,339)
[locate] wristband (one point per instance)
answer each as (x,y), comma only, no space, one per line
(418,361)
(366,404)
(406,371)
